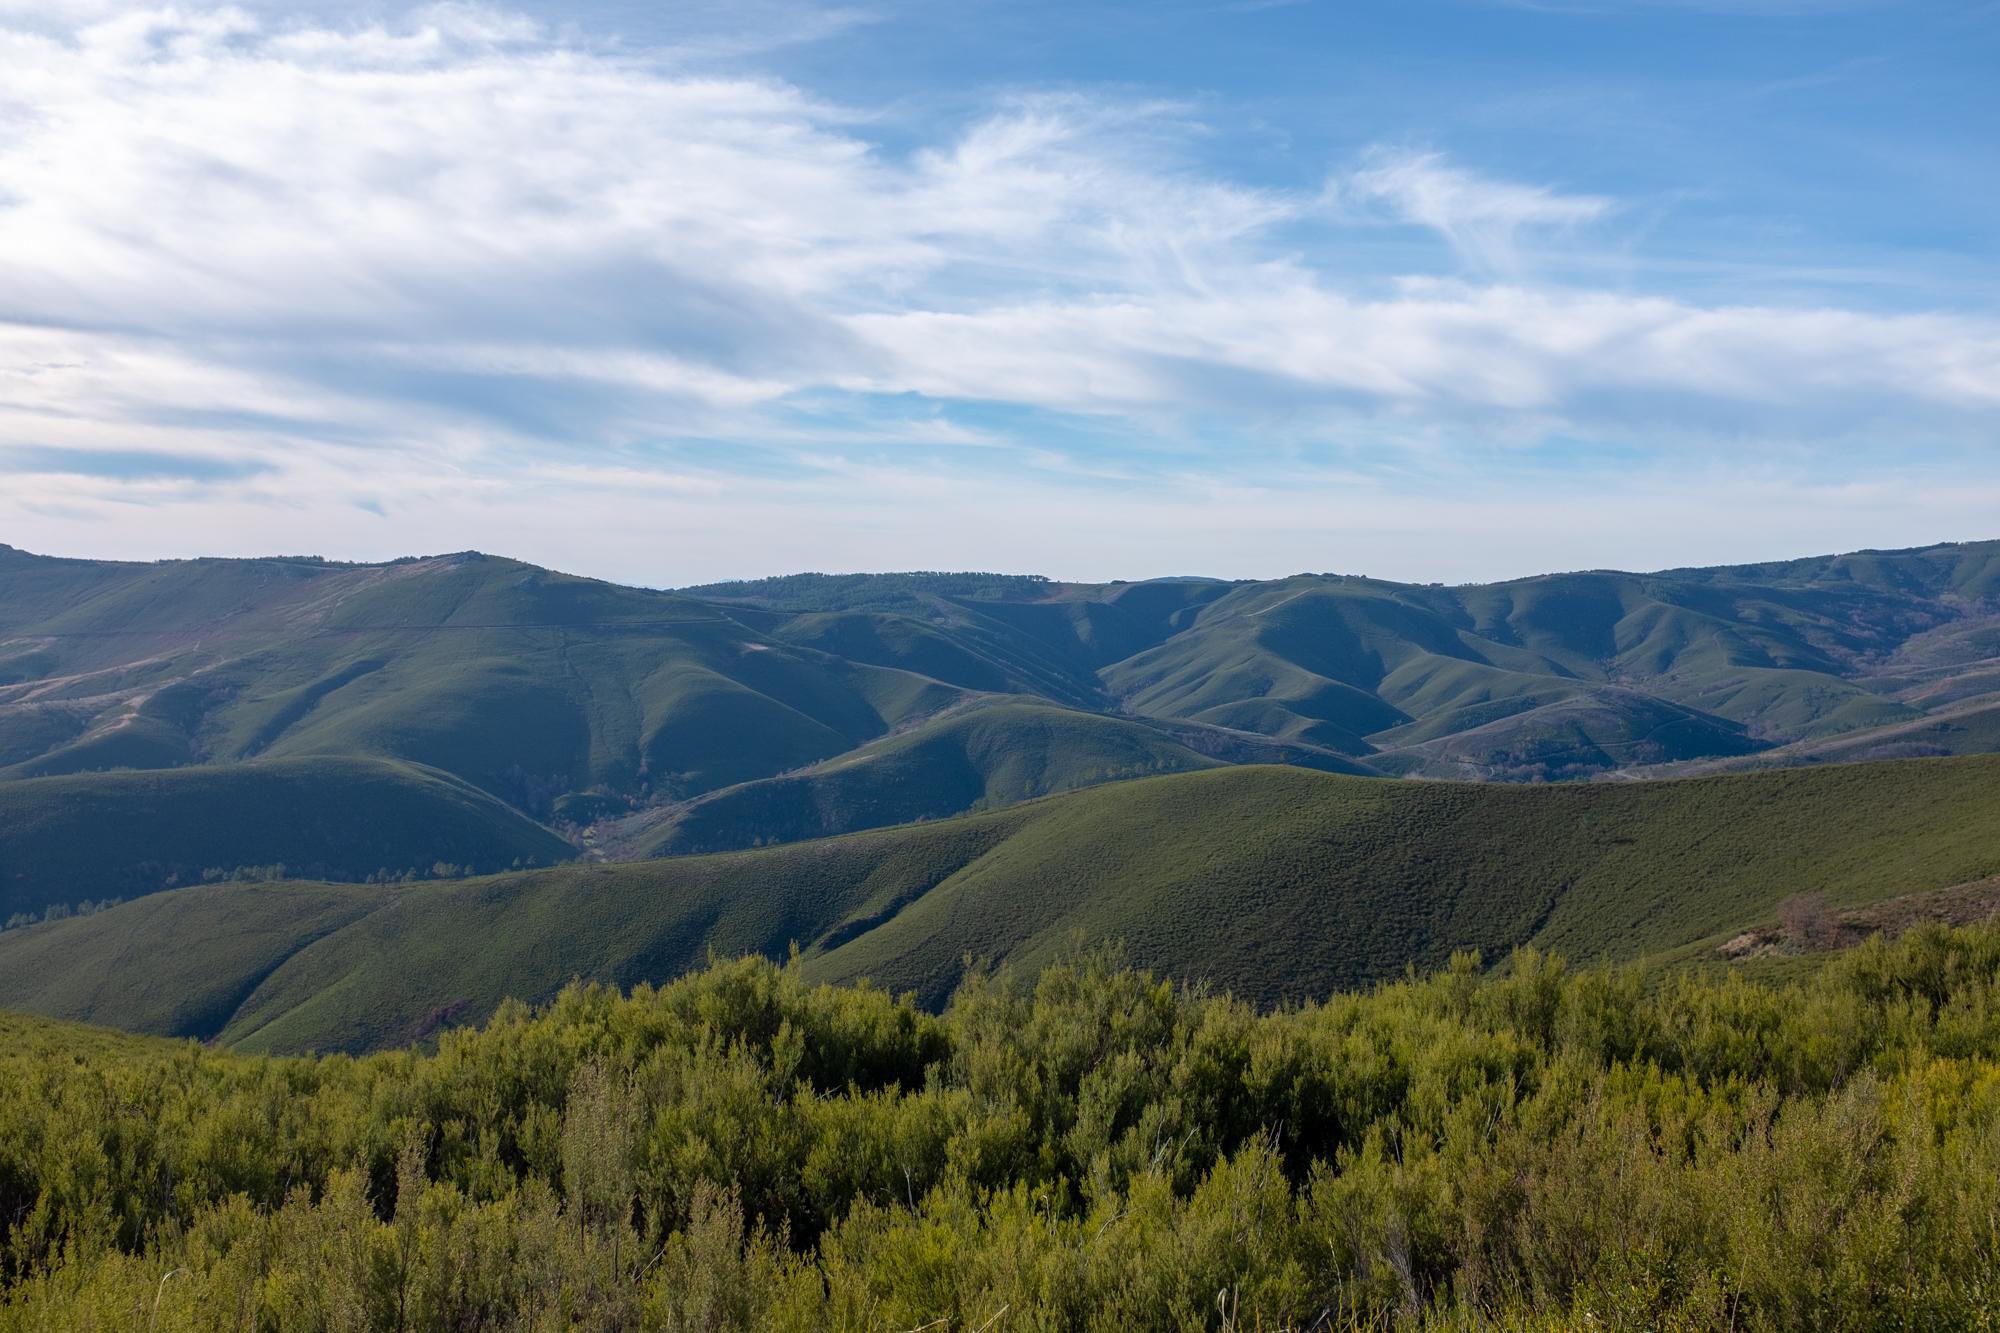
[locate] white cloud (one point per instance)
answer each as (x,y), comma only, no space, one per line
(1486,350)
(1480,216)
(457,260)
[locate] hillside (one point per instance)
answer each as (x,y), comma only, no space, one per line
(1275,884)
(983,756)
(588,704)
(89,837)
(1559,676)
(1269,882)
(970,759)
(532,685)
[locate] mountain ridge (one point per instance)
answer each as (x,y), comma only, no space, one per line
(585,704)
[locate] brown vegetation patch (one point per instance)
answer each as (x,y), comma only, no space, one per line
(1807,923)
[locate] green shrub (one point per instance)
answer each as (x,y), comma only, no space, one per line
(1536,1147)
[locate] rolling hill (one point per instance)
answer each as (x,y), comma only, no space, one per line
(645,721)
(988,754)
(971,759)
(1269,881)
(88,837)
(529,684)
(1558,676)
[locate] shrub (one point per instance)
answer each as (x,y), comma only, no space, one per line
(1534,1147)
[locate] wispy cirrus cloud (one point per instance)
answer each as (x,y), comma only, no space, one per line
(1480,216)
(461,253)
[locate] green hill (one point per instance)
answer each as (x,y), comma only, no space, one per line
(1270,882)
(1558,676)
(1577,735)
(976,758)
(530,684)
(1470,675)
(1276,884)
(89,837)
(586,703)
(982,756)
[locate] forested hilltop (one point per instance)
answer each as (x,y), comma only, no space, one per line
(1532,1147)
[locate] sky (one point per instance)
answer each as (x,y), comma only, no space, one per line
(669,293)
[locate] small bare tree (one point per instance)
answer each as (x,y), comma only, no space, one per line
(1808,921)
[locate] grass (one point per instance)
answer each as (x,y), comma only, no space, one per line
(1576,736)
(1271,882)
(1276,884)
(179,964)
(1638,669)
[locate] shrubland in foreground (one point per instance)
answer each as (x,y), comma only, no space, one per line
(1534,1148)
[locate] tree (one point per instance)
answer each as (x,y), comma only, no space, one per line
(1808,921)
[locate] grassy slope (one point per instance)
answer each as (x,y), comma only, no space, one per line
(1297,884)
(1954,726)
(415,956)
(534,684)
(1272,882)
(1574,736)
(977,758)
(1802,649)
(109,835)
(32,1040)
(178,964)
(1378,665)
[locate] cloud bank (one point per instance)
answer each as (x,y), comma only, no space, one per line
(279,276)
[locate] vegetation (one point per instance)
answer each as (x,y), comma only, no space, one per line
(87,837)
(857,592)
(1274,883)
(1571,674)
(1532,1148)
(1770,1099)
(60,912)
(528,684)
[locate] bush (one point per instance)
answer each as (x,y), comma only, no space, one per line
(1530,1147)
(1808,921)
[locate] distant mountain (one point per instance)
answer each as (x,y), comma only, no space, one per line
(646,721)
(1271,882)
(1561,676)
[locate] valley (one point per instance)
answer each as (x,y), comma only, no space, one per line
(289,804)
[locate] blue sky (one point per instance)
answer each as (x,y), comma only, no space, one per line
(674,293)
